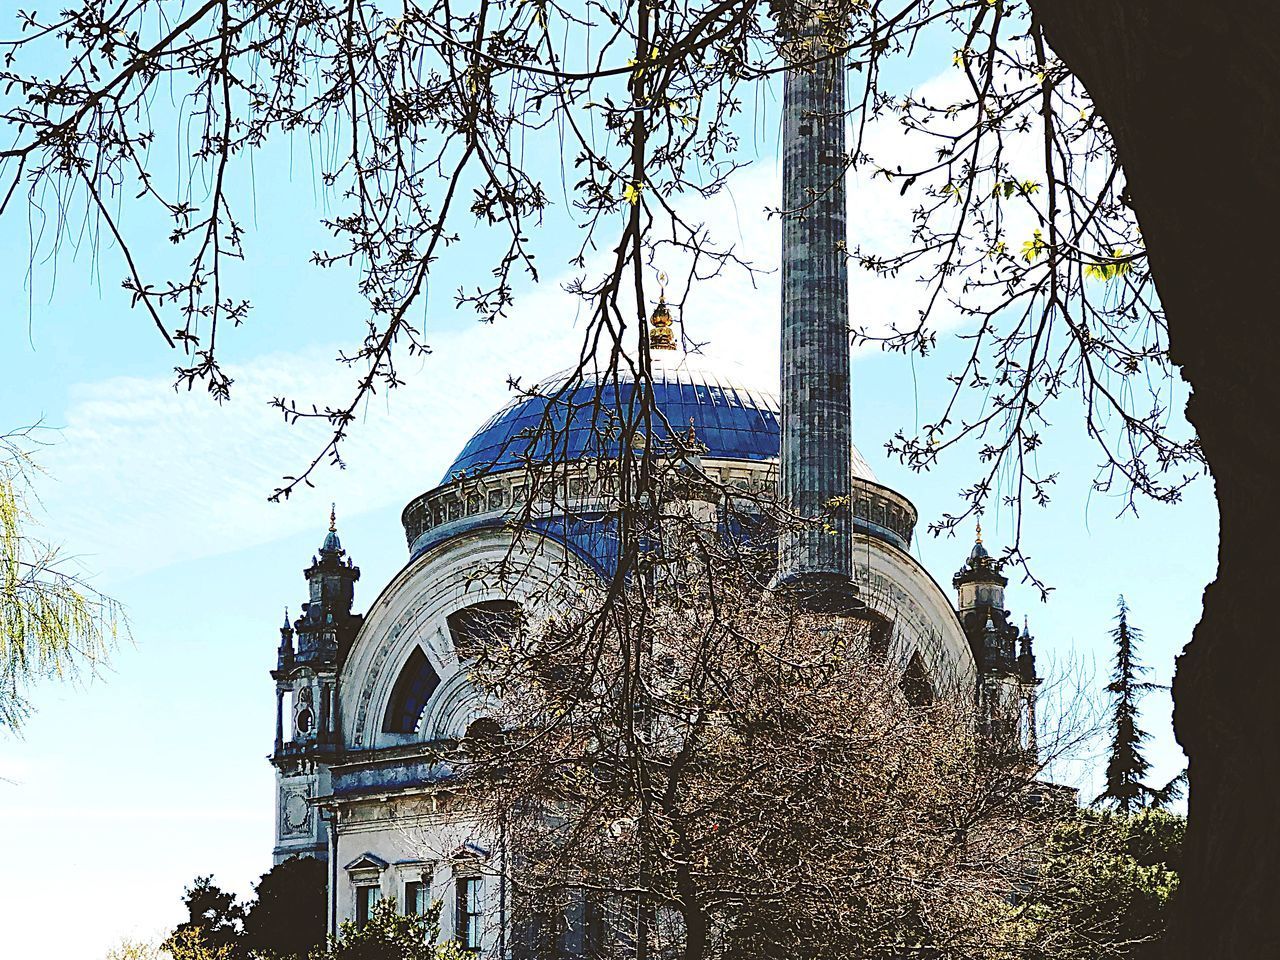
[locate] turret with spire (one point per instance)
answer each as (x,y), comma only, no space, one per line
(308,725)
(284,658)
(1007,678)
(326,623)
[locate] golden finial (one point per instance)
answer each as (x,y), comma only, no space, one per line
(661,336)
(333,518)
(979,531)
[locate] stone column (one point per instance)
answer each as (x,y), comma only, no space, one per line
(323,732)
(817,422)
(279,719)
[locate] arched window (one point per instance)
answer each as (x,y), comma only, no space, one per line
(485,730)
(915,683)
(417,681)
(473,626)
(482,740)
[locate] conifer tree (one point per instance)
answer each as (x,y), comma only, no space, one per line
(1126,790)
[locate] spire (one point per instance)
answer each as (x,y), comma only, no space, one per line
(691,437)
(691,449)
(331,542)
(1027,655)
(326,616)
(979,552)
(817,422)
(661,336)
(284,658)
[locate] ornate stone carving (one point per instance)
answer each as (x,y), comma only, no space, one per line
(295,813)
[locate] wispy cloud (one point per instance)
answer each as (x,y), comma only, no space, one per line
(146,477)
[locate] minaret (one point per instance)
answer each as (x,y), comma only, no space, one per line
(817,421)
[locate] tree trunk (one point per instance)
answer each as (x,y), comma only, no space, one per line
(1191,93)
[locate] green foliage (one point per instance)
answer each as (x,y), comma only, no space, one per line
(285,920)
(1105,887)
(188,945)
(52,624)
(1127,767)
(287,916)
(130,949)
(390,935)
(1108,268)
(193,945)
(215,918)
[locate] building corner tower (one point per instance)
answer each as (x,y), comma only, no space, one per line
(815,554)
(308,727)
(1007,679)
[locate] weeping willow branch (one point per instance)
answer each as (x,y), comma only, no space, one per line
(53,625)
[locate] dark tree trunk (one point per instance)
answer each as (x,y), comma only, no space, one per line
(1191,93)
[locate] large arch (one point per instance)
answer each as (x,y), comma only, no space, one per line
(412,614)
(901,590)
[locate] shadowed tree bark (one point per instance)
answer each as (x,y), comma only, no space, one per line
(1190,93)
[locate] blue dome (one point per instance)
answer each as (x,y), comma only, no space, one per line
(733,421)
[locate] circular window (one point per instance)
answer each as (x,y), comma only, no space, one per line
(484,730)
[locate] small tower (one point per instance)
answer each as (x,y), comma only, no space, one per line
(308,727)
(1029,681)
(1006,674)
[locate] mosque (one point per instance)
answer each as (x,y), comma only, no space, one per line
(362,697)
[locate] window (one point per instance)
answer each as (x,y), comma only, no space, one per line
(417,898)
(482,734)
(366,896)
(467,912)
(417,681)
(915,683)
(473,627)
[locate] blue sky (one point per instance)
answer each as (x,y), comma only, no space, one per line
(136,782)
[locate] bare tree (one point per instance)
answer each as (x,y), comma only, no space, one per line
(701,769)
(1025,221)
(1020,215)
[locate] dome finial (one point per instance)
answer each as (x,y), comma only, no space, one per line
(978,555)
(332,545)
(661,336)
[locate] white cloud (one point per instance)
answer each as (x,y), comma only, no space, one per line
(146,477)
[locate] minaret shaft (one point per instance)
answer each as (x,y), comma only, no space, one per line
(817,422)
